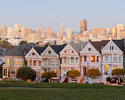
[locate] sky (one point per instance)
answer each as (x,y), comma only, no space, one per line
(36,13)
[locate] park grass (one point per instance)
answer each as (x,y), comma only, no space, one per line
(61,94)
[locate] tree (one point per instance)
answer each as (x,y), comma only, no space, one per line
(23,43)
(1,68)
(49,75)
(6,44)
(93,73)
(118,73)
(73,73)
(47,44)
(26,73)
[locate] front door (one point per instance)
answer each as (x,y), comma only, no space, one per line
(84,70)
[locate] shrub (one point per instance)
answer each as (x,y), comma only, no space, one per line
(26,73)
(93,72)
(48,75)
(118,73)
(73,73)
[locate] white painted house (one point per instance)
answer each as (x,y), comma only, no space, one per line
(112,54)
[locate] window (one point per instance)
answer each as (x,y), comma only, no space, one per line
(111,47)
(76,59)
(5,72)
(115,58)
(72,59)
(53,61)
(30,63)
(33,54)
(97,58)
(64,59)
(68,50)
(120,58)
(92,58)
(39,63)
(85,58)
(109,58)
(49,52)
(34,63)
(89,49)
(106,58)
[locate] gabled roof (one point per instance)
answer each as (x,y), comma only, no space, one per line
(40,50)
(98,45)
(78,46)
(18,51)
(58,48)
(119,43)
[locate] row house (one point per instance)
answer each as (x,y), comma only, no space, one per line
(14,59)
(70,57)
(112,56)
(104,55)
(43,59)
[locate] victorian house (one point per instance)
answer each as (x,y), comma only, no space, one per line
(113,56)
(14,59)
(70,58)
(91,56)
(43,59)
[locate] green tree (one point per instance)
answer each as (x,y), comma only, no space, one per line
(47,44)
(73,73)
(6,44)
(23,43)
(93,73)
(1,68)
(26,73)
(49,75)
(118,73)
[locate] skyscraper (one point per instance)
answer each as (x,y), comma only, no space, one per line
(83,25)
(120,27)
(4,28)
(16,28)
(50,31)
(61,30)
(68,33)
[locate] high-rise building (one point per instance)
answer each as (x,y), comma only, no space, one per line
(83,25)
(50,31)
(3,29)
(61,31)
(10,33)
(42,29)
(69,33)
(16,28)
(23,30)
(120,27)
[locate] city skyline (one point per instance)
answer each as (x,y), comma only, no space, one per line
(50,13)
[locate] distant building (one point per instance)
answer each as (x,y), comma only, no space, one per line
(68,33)
(50,31)
(119,28)
(16,28)
(83,26)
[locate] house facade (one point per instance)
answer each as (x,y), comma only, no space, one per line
(13,60)
(43,59)
(113,54)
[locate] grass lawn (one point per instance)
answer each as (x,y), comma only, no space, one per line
(61,94)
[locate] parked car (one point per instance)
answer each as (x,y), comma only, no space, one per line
(44,80)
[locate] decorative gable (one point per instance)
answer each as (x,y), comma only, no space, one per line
(89,49)
(111,47)
(32,54)
(68,50)
(49,52)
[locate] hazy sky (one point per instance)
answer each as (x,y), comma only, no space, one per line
(36,13)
